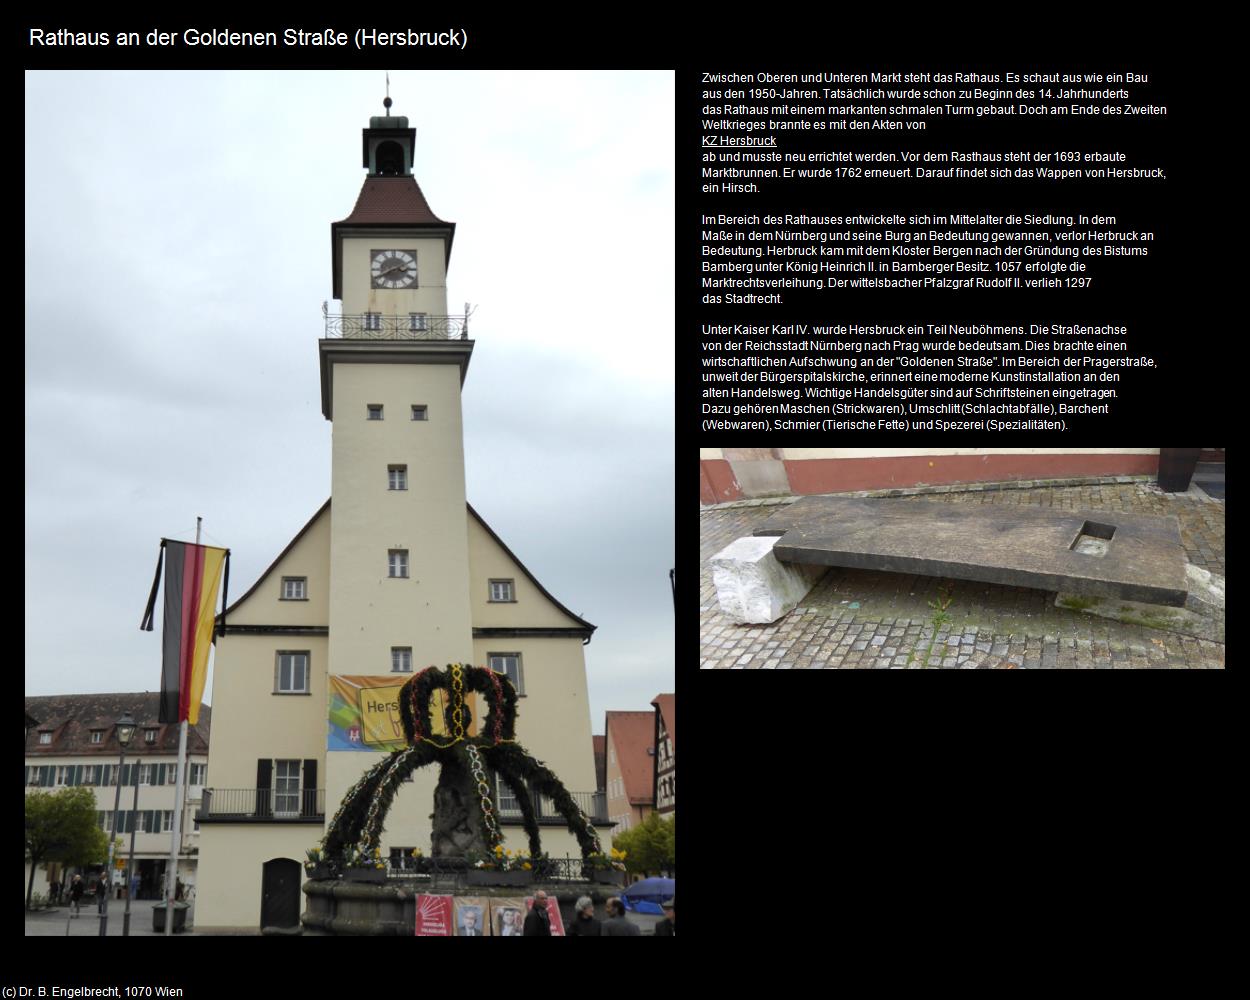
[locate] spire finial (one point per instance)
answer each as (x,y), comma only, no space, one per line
(386,103)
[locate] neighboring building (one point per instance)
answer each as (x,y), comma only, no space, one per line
(76,744)
(395,573)
(665,781)
(736,473)
(631,771)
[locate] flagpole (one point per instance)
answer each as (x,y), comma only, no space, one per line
(171,876)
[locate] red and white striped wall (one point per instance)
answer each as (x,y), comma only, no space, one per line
(743,473)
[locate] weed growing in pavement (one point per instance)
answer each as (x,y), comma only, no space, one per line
(937,620)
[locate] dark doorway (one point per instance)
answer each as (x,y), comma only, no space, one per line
(279,901)
(151,878)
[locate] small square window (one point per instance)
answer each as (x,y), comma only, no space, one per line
(501,590)
(295,588)
(416,321)
(45,737)
(292,673)
(97,736)
(373,321)
(419,412)
(508,664)
(397,477)
(401,659)
(375,411)
(397,562)
(149,736)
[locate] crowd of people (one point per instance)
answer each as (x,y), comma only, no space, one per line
(616,924)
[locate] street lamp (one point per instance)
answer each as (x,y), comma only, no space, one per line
(125,731)
(130,863)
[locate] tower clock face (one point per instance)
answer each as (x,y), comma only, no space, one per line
(394,268)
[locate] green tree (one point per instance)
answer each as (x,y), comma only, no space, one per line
(650,847)
(61,826)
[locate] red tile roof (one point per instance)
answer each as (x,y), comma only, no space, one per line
(631,735)
(70,718)
(393,200)
(668,711)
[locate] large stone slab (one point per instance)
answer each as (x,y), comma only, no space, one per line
(1131,557)
(753,587)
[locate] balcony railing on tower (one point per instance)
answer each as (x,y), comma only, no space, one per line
(405,326)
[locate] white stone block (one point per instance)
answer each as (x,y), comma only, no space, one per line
(753,587)
(1206,591)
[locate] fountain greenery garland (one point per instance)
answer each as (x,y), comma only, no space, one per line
(356,829)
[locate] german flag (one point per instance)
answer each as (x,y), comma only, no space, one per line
(193,574)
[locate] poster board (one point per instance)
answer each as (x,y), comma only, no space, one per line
(507,915)
(434,916)
(472,916)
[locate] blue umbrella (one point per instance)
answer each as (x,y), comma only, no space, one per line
(647,895)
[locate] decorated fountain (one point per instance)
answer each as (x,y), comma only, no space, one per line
(350,888)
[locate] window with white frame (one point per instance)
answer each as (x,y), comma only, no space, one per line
(401,659)
(199,774)
(373,321)
(65,774)
(45,738)
(295,588)
(286,787)
(397,562)
(375,411)
(401,859)
(416,321)
(97,736)
(397,477)
(502,591)
(508,804)
(420,412)
(149,736)
(292,672)
(508,664)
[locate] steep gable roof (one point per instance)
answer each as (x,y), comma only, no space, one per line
(581,622)
(273,565)
(631,735)
(530,576)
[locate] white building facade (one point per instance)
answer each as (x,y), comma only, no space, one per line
(73,741)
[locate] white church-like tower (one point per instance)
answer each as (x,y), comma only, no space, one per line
(396,572)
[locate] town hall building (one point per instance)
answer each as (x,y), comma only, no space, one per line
(394,573)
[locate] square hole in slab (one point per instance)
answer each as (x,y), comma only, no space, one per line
(1094,539)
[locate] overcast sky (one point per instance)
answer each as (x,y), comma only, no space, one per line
(177,255)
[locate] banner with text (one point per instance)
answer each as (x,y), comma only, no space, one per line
(364,713)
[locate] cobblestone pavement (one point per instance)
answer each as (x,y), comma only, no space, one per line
(58,921)
(862,618)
